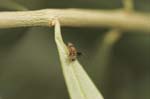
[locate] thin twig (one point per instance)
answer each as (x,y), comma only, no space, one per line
(128,5)
(76,18)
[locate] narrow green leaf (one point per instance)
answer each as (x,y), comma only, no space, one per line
(79,85)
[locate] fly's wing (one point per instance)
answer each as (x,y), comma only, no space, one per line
(79,53)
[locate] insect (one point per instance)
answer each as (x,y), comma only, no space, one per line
(73,54)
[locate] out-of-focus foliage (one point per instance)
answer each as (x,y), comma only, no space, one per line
(29,63)
(11,5)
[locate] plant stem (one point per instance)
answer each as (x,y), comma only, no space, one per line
(128,5)
(76,18)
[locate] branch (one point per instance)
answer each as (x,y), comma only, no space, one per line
(76,18)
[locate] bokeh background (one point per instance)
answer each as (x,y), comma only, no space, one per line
(29,62)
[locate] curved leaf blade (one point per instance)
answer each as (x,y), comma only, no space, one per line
(79,85)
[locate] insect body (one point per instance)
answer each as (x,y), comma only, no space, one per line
(72,52)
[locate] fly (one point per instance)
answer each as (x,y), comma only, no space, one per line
(73,53)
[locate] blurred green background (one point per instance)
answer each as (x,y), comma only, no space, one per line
(29,62)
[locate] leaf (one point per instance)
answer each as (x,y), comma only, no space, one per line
(79,85)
